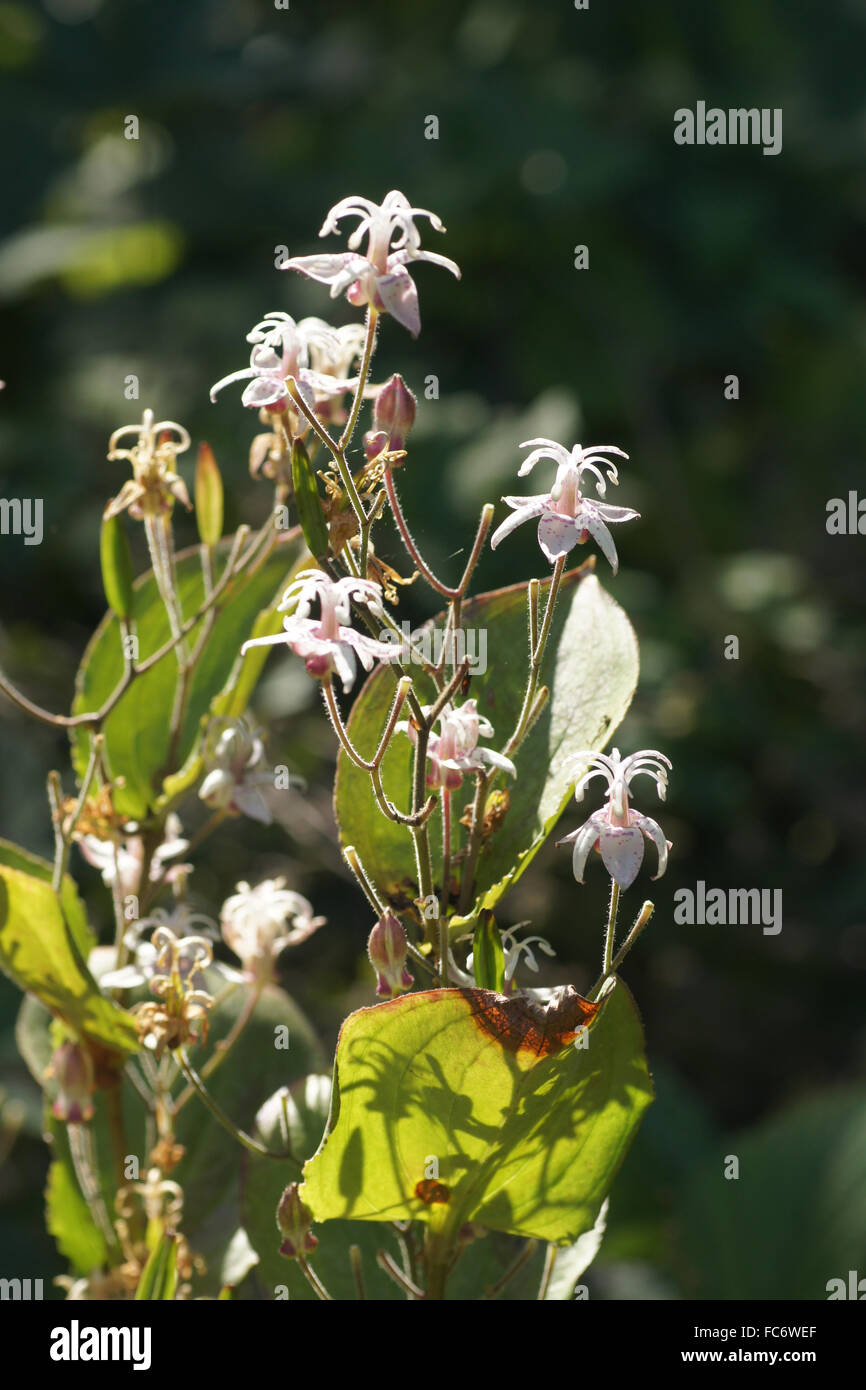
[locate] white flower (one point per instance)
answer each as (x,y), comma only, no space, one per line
(281,350)
(454,750)
(617,830)
(328,643)
(258,923)
(378,277)
(235,769)
(566,518)
(123,860)
(513,950)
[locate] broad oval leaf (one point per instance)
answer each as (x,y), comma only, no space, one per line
(43,956)
(139,745)
(591,669)
(527,1130)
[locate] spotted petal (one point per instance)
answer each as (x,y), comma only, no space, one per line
(622,852)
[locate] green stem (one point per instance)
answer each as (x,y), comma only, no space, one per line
(243,1138)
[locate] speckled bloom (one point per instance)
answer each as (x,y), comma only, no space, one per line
(379,276)
(618,831)
(565,517)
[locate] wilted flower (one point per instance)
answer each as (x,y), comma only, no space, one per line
(328,643)
(617,831)
(258,923)
(122,859)
(281,350)
(186,927)
(566,518)
(454,750)
(387,949)
(378,277)
(181,1014)
(72,1068)
(294,1220)
(154,484)
(235,768)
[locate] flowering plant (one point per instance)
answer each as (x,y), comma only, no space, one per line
(467,1136)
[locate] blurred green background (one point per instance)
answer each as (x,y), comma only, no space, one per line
(156,256)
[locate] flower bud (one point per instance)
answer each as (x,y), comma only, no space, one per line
(72,1069)
(294,1220)
(387,949)
(394,411)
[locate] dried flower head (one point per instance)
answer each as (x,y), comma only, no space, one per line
(154,485)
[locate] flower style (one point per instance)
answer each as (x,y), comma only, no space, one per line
(454,750)
(566,518)
(617,831)
(259,923)
(328,643)
(122,860)
(281,352)
(180,1013)
(378,277)
(234,761)
(152,489)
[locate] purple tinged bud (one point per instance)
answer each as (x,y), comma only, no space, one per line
(72,1069)
(294,1220)
(375,443)
(394,412)
(387,949)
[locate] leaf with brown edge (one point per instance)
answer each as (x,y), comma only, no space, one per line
(527,1110)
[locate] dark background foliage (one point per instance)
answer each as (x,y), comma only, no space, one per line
(155,256)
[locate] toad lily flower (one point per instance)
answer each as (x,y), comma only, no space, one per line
(378,277)
(513,950)
(281,351)
(258,923)
(235,768)
(454,751)
(154,485)
(617,831)
(566,518)
(328,643)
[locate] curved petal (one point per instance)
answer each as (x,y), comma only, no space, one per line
(328,269)
(593,523)
(487,755)
(525,513)
(557,535)
(654,832)
(621,852)
(232,376)
(583,840)
(612,513)
(400,297)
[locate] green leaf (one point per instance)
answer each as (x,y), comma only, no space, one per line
(73,908)
(308,502)
(138,742)
(488,955)
(590,668)
(158,1282)
(69,1221)
(306,1109)
(116,562)
(793,1219)
(526,1139)
(41,955)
